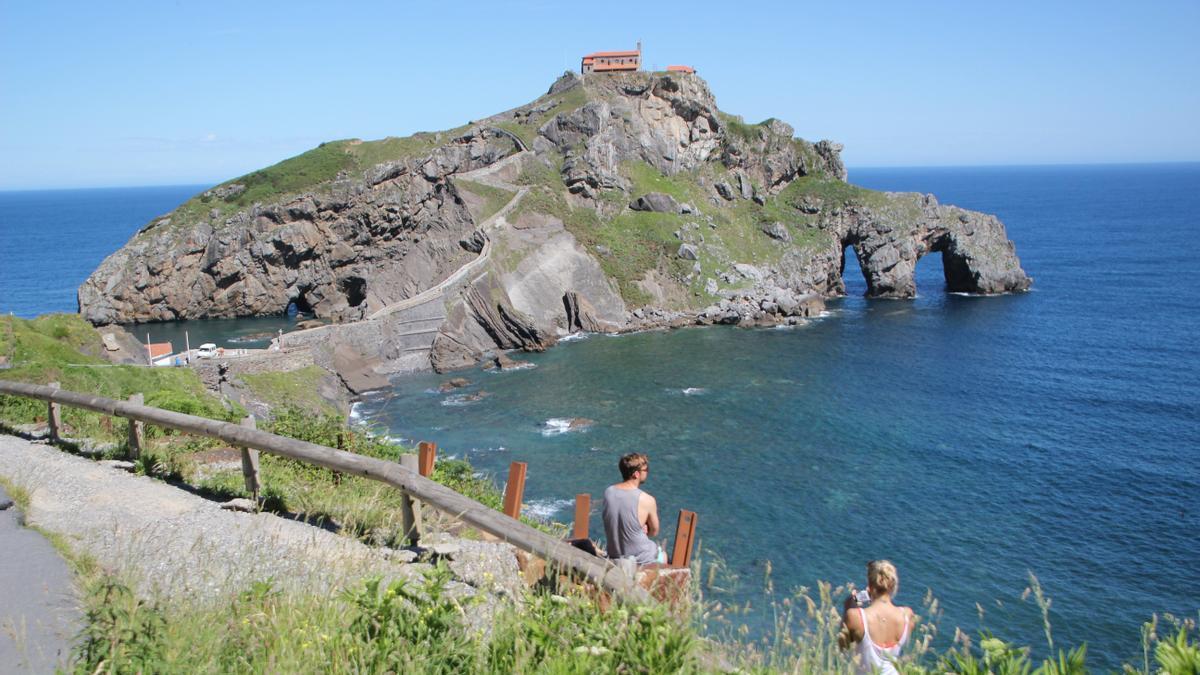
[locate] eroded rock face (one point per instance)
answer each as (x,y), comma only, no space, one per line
(341,254)
(519,278)
(671,123)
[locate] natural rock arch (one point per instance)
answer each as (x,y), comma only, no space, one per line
(977,256)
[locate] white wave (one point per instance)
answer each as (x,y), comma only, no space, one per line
(555,426)
(573,337)
(561,425)
(544,508)
(355,413)
(694,391)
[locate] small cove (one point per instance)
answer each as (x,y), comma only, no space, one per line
(967,439)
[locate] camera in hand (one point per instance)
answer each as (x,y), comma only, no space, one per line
(863,597)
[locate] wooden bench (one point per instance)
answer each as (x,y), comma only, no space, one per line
(685,531)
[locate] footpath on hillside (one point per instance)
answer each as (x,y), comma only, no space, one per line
(38,609)
(176,546)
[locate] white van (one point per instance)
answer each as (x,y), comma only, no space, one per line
(207,350)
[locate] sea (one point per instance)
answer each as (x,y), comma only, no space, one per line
(977,442)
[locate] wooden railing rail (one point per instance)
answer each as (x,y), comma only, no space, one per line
(557,553)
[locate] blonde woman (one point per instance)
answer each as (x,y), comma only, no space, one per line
(879,629)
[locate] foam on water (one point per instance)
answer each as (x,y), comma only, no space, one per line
(562,425)
(546,509)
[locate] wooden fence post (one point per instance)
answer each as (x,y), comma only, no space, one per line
(250,463)
(583,511)
(54,417)
(685,535)
(410,509)
(137,432)
(427,457)
(514,490)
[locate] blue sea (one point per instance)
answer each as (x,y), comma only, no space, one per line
(970,440)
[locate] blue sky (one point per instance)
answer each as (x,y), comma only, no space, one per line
(181,92)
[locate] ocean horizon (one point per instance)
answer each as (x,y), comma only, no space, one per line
(970,440)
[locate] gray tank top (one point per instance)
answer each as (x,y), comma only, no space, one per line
(623,530)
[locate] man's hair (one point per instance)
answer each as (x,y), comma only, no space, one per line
(631,464)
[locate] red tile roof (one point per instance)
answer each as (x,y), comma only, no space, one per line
(158,349)
(624,53)
(681,69)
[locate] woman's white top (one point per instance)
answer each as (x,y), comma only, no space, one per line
(873,658)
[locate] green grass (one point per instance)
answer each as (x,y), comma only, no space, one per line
(358,507)
(375,627)
(295,388)
(747,132)
(42,350)
(646,178)
(63,348)
(308,171)
(316,168)
(494,198)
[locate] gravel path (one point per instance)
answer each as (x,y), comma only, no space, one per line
(172,544)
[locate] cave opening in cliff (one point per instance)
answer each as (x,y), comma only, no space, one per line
(298,306)
(355,290)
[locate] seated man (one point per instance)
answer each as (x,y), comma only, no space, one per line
(630,515)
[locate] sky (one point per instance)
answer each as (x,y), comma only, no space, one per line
(167,92)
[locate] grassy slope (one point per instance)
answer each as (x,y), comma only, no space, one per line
(296,388)
(494,198)
(55,348)
(61,348)
(317,168)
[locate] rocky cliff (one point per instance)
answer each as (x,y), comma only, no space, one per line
(615,201)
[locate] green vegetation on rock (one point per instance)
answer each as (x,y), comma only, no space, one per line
(747,132)
(294,388)
(526,126)
(305,172)
(494,198)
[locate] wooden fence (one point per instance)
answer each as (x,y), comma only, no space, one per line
(558,554)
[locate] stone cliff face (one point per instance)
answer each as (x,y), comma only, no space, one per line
(629,200)
(341,252)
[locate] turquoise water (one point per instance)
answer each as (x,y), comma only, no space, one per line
(970,440)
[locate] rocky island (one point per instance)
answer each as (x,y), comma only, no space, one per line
(616,201)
